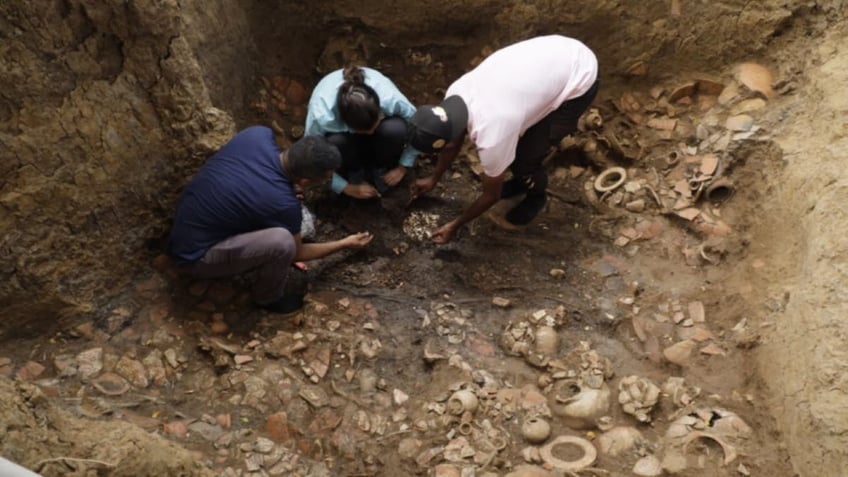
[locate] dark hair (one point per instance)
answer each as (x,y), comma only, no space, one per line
(358,103)
(311,157)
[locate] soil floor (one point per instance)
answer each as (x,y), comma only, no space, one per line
(636,282)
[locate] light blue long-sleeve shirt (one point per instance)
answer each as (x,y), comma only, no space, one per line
(323,115)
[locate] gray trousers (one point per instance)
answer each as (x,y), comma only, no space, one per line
(269,252)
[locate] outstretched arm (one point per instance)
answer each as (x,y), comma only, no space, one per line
(490,195)
(446,157)
(312,251)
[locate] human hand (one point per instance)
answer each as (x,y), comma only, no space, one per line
(358,240)
(421,186)
(361,191)
(445,233)
(394,176)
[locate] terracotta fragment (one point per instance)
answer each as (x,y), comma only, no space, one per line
(756,77)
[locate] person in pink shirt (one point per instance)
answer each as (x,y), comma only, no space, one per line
(514,106)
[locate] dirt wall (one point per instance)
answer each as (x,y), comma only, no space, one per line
(106,108)
(37,435)
(804,358)
(102,106)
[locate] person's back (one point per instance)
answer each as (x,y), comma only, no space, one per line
(517,86)
(240,189)
(515,106)
(240,214)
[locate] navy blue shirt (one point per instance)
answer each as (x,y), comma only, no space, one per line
(241,189)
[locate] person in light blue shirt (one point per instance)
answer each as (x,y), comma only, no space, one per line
(360,111)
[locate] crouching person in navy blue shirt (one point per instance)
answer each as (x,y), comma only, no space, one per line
(241,213)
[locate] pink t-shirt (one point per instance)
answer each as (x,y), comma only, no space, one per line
(516,87)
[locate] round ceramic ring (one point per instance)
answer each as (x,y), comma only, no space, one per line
(610,179)
(589,454)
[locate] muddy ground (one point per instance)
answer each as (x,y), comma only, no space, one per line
(708,297)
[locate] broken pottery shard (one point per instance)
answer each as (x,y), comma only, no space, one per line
(756,78)
(648,466)
(648,229)
(682,188)
(688,213)
(619,440)
(679,353)
(446,470)
(696,311)
(728,95)
(663,124)
(709,164)
(681,203)
(425,457)
(399,397)
(637,205)
(709,87)
(701,334)
(30,371)
(133,371)
(705,103)
(748,106)
(315,396)
(432,352)
(629,103)
(90,362)
(676,11)
(277,426)
(637,69)
(741,122)
(111,384)
(630,232)
(213,343)
(175,428)
(639,327)
(712,349)
(683,91)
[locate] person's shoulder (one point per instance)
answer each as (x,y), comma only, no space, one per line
(331,77)
(256,130)
(373,74)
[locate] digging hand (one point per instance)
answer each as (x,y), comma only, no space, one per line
(358,240)
(361,191)
(420,187)
(445,233)
(394,176)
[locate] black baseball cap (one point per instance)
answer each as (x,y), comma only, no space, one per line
(433,127)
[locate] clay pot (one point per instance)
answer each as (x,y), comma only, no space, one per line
(648,466)
(638,396)
(536,430)
(720,190)
(547,340)
(462,401)
(619,440)
(582,405)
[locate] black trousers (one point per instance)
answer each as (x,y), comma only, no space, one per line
(362,154)
(536,142)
